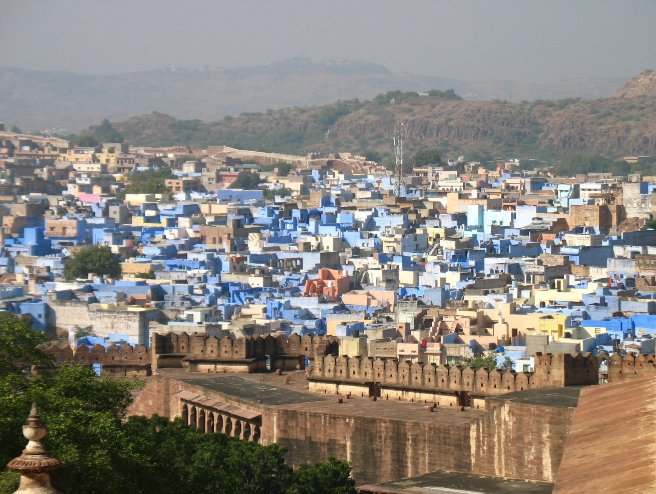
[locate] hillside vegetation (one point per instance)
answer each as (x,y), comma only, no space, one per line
(69,102)
(616,126)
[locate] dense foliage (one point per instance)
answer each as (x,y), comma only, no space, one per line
(96,259)
(103,453)
(591,163)
(283,168)
(489,362)
(426,157)
(105,132)
(271,194)
(148,181)
(247,181)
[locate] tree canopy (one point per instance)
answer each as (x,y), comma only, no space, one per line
(271,194)
(283,168)
(105,132)
(426,157)
(489,362)
(96,259)
(103,452)
(247,181)
(148,181)
(591,163)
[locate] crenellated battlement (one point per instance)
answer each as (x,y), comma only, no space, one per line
(115,354)
(460,385)
(123,360)
(210,347)
(201,353)
(620,367)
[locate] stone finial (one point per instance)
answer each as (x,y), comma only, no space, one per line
(34,463)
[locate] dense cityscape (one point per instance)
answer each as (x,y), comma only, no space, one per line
(259,293)
(327,248)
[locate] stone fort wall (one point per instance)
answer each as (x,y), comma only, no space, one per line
(550,371)
(210,347)
(621,367)
(503,440)
(557,370)
(171,349)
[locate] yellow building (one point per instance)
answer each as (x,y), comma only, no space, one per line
(136,269)
(552,325)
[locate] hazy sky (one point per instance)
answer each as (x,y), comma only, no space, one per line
(519,40)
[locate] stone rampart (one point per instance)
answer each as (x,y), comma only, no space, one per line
(621,367)
(384,441)
(123,360)
(550,371)
(199,352)
(203,346)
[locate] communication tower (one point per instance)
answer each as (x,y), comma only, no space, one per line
(398,179)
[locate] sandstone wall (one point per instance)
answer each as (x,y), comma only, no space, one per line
(510,439)
(550,371)
(520,440)
(378,449)
(629,366)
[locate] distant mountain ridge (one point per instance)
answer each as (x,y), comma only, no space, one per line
(36,100)
(616,126)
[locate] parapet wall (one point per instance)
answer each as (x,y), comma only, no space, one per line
(550,371)
(98,354)
(621,367)
(123,361)
(204,346)
(168,350)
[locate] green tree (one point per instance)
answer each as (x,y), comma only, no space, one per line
(105,132)
(16,130)
(489,362)
(332,477)
(426,157)
(591,163)
(447,94)
(19,343)
(96,259)
(246,181)
(86,140)
(103,453)
(270,194)
(283,168)
(148,181)
(372,155)
(82,331)
(507,364)
(649,225)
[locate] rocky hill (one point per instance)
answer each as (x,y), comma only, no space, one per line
(610,126)
(642,85)
(68,101)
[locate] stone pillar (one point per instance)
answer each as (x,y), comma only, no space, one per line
(34,464)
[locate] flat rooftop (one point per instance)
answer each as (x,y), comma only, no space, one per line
(290,391)
(458,483)
(249,390)
(567,397)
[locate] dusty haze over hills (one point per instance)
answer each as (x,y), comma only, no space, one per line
(615,126)
(37,100)
(592,45)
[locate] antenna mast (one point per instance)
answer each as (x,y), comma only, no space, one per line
(399,134)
